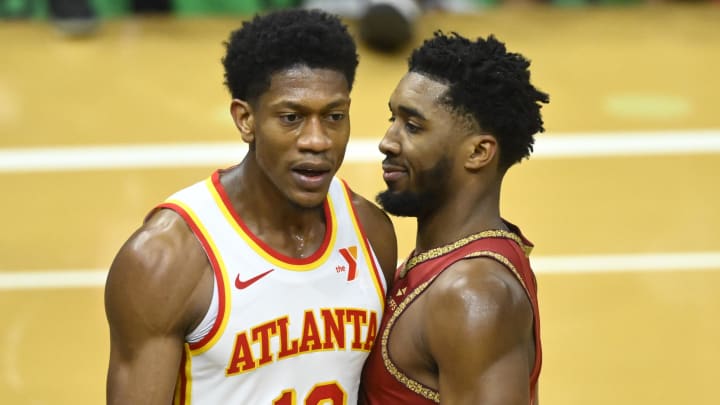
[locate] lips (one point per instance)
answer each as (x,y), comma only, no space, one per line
(393,172)
(312,175)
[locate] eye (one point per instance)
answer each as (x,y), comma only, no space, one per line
(411,128)
(290,118)
(336,116)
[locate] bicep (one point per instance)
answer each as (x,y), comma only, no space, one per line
(477,334)
(144,354)
(501,379)
(143,363)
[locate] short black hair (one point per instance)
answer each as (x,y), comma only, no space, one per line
(489,83)
(282,39)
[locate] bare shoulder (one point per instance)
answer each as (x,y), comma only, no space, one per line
(155,273)
(478,332)
(379,231)
(480,300)
(158,289)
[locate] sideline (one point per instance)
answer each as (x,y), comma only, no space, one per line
(652,262)
(565,146)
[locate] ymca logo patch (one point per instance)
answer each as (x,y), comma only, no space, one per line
(350,256)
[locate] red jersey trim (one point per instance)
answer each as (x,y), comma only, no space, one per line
(319,253)
(412,385)
(183,389)
(502,260)
(434,253)
(217,270)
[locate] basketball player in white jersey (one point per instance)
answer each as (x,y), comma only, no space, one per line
(264,283)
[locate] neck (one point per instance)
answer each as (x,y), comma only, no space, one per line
(459,216)
(288,228)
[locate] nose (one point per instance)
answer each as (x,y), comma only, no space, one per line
(314,136)
(389,144)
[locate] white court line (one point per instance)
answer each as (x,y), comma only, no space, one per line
(651,262)
(627,262)
(576,145)
(22,280)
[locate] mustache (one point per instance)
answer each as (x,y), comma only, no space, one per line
(388,161)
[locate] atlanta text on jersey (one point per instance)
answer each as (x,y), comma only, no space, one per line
(333,337)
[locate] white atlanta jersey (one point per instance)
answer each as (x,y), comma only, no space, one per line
(280,330)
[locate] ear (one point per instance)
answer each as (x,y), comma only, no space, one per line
(482,149)
(243,117)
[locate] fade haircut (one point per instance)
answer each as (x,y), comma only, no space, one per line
(283,39)
(490,84)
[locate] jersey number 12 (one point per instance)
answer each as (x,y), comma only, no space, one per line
(329,393)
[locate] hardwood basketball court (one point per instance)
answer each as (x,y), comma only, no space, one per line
(621,198)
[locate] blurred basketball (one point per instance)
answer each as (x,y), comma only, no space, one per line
(384,28)
(75,18)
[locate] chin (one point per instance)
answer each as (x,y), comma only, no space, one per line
(402,204)
(309,200)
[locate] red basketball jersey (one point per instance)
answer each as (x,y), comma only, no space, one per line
(383,382)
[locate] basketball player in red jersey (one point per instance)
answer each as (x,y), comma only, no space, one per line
(461,323)
(261,284)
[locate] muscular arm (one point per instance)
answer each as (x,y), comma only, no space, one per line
(158,288)
(479,333)
(381,234)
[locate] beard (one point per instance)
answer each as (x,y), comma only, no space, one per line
(431,193)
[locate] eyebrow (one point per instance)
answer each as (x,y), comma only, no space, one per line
(298,106)
(409,111)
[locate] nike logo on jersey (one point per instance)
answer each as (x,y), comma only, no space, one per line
(241,285)
(350,255)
